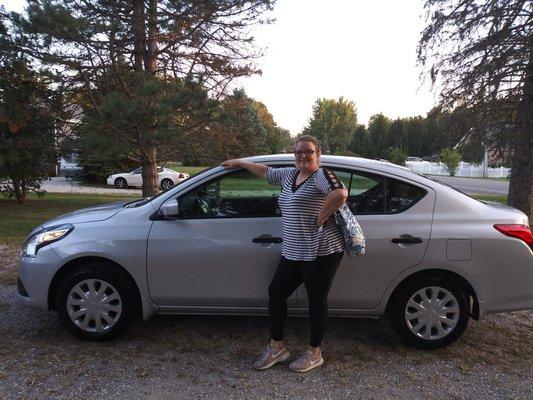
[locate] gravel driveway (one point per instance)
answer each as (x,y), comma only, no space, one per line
(176,357)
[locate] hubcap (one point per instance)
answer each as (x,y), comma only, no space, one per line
(432,313)
(94,305)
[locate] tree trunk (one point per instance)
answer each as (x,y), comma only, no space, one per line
(18,189)
(149,174)
(521,184)
(139,35)
(151,59)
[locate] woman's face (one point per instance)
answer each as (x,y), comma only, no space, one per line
(307,156)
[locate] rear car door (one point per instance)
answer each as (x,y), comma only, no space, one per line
(396,217)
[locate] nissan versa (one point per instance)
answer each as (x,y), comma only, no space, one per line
(435,257)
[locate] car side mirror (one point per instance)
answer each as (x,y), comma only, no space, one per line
(170,209)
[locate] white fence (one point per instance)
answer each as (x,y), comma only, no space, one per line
(464,169)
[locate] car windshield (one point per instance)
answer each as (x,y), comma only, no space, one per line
(145,200)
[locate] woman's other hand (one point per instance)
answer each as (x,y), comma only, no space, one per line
(322,222)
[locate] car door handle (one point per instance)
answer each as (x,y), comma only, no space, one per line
(267,239)
(409,240)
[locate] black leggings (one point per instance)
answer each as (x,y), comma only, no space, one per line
(317,276)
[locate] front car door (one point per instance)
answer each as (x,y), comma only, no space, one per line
(395,215)
(223,248)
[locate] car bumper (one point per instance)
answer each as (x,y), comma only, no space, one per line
(35,275)
(110,181)
(506,292)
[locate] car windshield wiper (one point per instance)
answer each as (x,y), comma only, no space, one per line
(137,203)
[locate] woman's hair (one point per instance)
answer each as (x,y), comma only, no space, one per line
(308,138)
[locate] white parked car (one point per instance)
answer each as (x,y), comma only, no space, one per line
(166,178)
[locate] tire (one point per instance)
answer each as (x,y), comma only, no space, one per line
(121,183)
(82,314)
(166,184)
(430,330)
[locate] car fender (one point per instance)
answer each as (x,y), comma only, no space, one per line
(424,266)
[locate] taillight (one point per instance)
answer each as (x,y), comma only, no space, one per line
(181,176)
(518,231)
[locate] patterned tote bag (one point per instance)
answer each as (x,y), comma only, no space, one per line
(354,239)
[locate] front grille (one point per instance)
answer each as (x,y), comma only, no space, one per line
(21,288)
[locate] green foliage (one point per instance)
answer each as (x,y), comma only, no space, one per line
(416,136)
(27,143)
(397,155)
(240,127)
(472,152)
(451,159)
(360,144)
(114,136)
(480,53)
(333,123)
(378,131)
(140,71)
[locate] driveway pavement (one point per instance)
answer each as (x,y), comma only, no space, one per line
(60,184)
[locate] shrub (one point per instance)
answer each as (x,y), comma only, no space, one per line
(451,159)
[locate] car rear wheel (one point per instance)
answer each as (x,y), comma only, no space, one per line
(429,312)
(120,183)
(166,184)
(94,303)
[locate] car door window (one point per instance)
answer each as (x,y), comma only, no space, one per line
(366,194)
(137,171)
(238,194)
(401,195)
(375,194)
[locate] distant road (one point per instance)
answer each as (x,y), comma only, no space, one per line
(476,185)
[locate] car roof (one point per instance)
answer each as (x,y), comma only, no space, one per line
(366,163)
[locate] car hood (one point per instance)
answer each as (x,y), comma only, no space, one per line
(92,214)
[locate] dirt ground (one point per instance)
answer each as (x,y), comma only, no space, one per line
(211,357)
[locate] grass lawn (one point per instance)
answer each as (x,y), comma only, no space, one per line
(496,198)
(17,220)
(181,168)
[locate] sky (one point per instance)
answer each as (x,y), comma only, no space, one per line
(363,50)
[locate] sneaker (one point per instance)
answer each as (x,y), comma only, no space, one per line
(269,357)
(306,362)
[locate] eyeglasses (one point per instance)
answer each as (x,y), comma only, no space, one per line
(308,152)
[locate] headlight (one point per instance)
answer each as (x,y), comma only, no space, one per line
(52,234)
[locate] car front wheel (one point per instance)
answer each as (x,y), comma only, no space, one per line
(429,312)
(120,183)
(166,184)
(94,303)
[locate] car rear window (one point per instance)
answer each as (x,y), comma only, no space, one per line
(376,194)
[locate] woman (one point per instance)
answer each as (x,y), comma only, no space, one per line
(312,247)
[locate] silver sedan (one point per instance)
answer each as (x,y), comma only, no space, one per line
(435,257)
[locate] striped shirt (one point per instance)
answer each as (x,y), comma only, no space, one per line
(300,206)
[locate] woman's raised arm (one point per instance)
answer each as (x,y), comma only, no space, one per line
(256,169)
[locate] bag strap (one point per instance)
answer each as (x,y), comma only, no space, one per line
(314,173)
